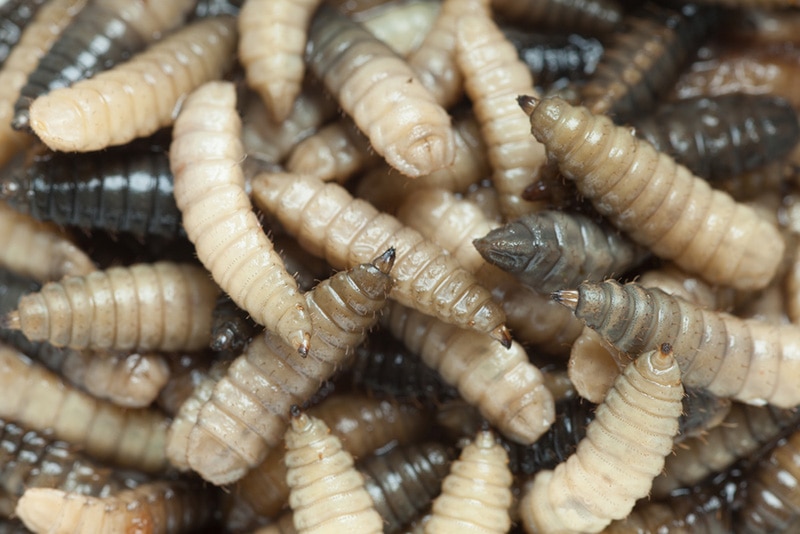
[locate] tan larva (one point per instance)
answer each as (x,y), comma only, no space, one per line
(155,508)
(380,91)
(493,77)
(37,38)
(135,98)
(476,495)
(656,201)
(205,158)
(327,492)
(38,250)
(402,26)
(330,223)
(160,306)
(273,38)
(38,399)
(623,451)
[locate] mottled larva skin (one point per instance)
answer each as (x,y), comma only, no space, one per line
(165,507)
(160,306)
(273,39)
(205,158)
(657,202)
(381,92)
(476,495)
(136,98)
(622,452)
(327,492)
(330,223)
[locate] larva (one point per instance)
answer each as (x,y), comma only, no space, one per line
(273,38)
(157,507)
(551,250)
(304,267)
(14,17)
(493,77)
(205,158)
(596,17)
(212,8)
(330,223)
(658,203)
(476,495)
(403,26)
(408,128)
(701,411)
(502,383)
(248,409)
(623,451)
(138,97)
(39,400)
(327,493)
(160,306)
(231,327)
(103,34)
(745,359)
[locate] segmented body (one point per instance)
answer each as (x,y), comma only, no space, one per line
(595,17)
(14,16)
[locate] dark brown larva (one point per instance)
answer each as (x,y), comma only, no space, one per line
(597,17)
(701,412)
(231,327)
(14,16)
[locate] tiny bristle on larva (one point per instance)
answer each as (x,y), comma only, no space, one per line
(567,297)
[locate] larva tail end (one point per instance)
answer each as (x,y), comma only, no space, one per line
(303,346)
(10,321)
(567,297)
(385,261)
(528,103)
(502,335)
(662,359)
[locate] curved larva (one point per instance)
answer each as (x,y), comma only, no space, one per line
(382,94)
(160,306)
(156,507)
(493,77)
(402,26)
(657,202)
(205,158)
(273,39)
(622,452)
(135,98)
(476,495)
(748,360)
(39,250)
(330,223)
(38,399)
(327,493)
(508,390)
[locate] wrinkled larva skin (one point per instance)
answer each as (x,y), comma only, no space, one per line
(657,202)
(205,158)
(138,97)
(159,306)
(381,92)
(15,15)
(595,17)
(164,507)
(403,25)
(319,473)
(623,451)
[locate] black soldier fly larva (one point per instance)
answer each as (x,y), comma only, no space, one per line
(14,16)
(598,17)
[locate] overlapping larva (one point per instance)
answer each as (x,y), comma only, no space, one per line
(330,223)
(138,97)
(205,158)
(104,33)
(623,451)
(327,493)
(14,17)
(273,39)
(37,399)
(502,383)
(657,202)
(476,495)
(493,77)
(159,306)
(164,507)
(249,408)
(231,327)
(403,26)
(381,92)
(597,17)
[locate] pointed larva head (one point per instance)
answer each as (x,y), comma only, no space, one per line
(660,366)
(385,261)
(510,247)
(544,114)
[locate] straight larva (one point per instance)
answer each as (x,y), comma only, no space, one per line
(597,17)
(205,157)
(138,97)
(554,60)
(657,202)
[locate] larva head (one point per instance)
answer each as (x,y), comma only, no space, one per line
(385,261)
(510,247)
(544,114)
(660,366)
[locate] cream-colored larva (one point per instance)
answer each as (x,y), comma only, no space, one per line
(273,38)
(205,158)
(493,77)
(135,98)
(330,223)
(166,507)
(160,306)
(381,92)
(476,495)
(404,25)
(327,492)
(659,203)
(38,399)
(622,452)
